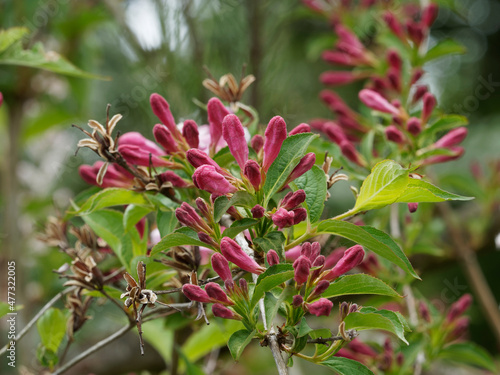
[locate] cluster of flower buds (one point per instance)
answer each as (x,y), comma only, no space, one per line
(455,323)
(288,212)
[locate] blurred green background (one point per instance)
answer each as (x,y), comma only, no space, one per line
(147,46)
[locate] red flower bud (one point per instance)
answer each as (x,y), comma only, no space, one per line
(321,307)
(306,250)
(302,128)
(349,151)
(419,93)
(203,207)
(360,347)
(171,177)
(215,292)
(337,78)
(283,218)
(252,172)
(243,286)
(257,142)
(319,289)
(338,58)
(234,135)
(452,138)
(429,14)
(275,135)
(394,60)
(164,137)
(272,258)
(197,158)
(221,267)
(417,74)
(115,176)
(394,78)
(205,237)
(1,99)
(394,25)
(414,126)
(424,311)
(297,300)
(334,257)
(293,199)
(412,207)
(195,293)
(415,32)
(257,211)
(305,164)
(216,113)
(162,110)
(293,253)
(459,307)
(429,102)
(349,42)
(299,215)
(393,134)
(190,218)
(377,102)
(191,134)
(461,326)
(352,257)
(456,153)
(137,156)
(222,311)
(207,178)
(234,253)
(334,132)
(301,266)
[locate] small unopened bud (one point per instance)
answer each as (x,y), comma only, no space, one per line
(376,101)
(258,211)
(203,207)
(191,133)
(456,152)
(394,25)
(302,128)
(350,152)
(283,218)
(293,199)
(393,134)
(299,215)
(414,126)
(424,311)
(252,172)
(272,257)
(357,346)
(275,135)
(161,109)
(353,308)
(207,178)
(297,301)
(333,258)
(235,254)
(204,237)
(412,207)
(452,138)
(429,14)
(221,267)
(222,311)
(415,32)
(352,257)
(216,113)
(339,58)
(321,307)
(302,267)
(319,289)
(429,102)
(459,307)
(257,142)
(419,93)
(164,137)
(195,293)
(243,286)
(334,132)
(234,135)
(319,264)
(306,250)
(315,250)
(343,310)
(417,74)
(400,359)
(197,158)
(215,292)
(461,326)
(394,60)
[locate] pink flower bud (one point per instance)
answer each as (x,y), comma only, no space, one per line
(429,102)
(197,158)
(191,134)
(115,176)
(283,218)
(302,128)
(190,218)
(394,25)
(315,250)
(297,301)
(233,252)
(215,292)
(352,257)
(456,153)
(165,139)
(203,207)
(353,308)
(161,109)
(205,237)
(459,307)
(338,58)
(299,215)
(137,156)
(293,253)
(349,42)
(222,311)
(415,32)
(272,258)
(360,347)
(412,207)
(216,113)
(234,135)
(393,134)
(376,101)
(252,172)
(414,126)
(207,178)
(461,326)
(275,135)
(321,307)
(257,211)
(319,289)
(293,199)
(319,264)
(350,152)
(257,142)
(318,260)
(429,14)
(137,139)
(243,286)
(452,138)
(221,267)
(417,74)
(419,93)
(343,310)
(338,78)
(306,250)
(394,60)
(195,293)
(424,311)
(333,258)
(305,164)
(302,267)
(334,132)
(171,177)
(335,103)
(394,79)
(1,99)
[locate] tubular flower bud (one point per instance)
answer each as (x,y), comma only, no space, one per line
(190,218)
(197,158)
(195,293)
(222,311)
(315,250)
(429,102)
(235,254)
(1,99)
(343,310)
(415,32)
(429,14)
(164,137)
(394,78)
(301,266)
(272,258)
(243,287)
(252,172)
(352,257)
(338,58)
(393,134)
(161,109)
(299,215)
(302,128)
(293,199)
(257,142)
(297,300)
(234,135)
(215,292)
(457,152)
(137,156)
(216,113)
(283,218)
(258,211)
(306,250)
(137,139)
(319,264)
(191,134)
(349,151)
(360,347)
(221,267)
(115,176)
(394,60)
(419,93)
(305,164)
(275,135)
(207,178)
(377,102)
(349,42)
(171,177)
(293,253)
(334,132)
(333,258)
(424,311)
(452,138)
(204,237)
(414,126)
(394,25)
(321,307)
(412,207)
(319,289)
(203,207)
(459,307)
(338,78)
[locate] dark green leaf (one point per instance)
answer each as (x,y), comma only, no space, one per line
(238,341)
(52,328)
(239,226)
(46,357)
(443,48)
(272,241)
(272,277)
(178,238)
(470,353)
(346,366)
(423,191)
(166,222)
(223,203)
(371,238)
(358,284)
(314,184)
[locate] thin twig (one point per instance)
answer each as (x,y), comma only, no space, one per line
(324,340)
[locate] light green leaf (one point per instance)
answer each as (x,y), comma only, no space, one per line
(322,333)
(133,214)
(272,277)
(272,302)
(423,191)
(272,241)
(313,183)
(52,328)
(346,366)
(178,238)
(292,150)
(304,329)
(370,238)
(469,353)
(4,309)
(10,36)
(166,222)
(112,291)
(443,48)
(112,197)
(238,342)
(239,226)
(358,284)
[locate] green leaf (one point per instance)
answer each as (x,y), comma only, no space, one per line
(223,203)
(446,122)
(10,36)
(423,191)
(371,238)
(191,368)
(272,302)
(346,366)
(470,353)
(112,197)
(272,241)
(112,291)
(322,333)
(166,222)
(52,328)
(272,277)
(46,357)
(178,238)
(376,320)
(239,226)
(304,329)
(313,183)
(292,150)
(382,187)
(358,284)
(443,48)
(238,341)
(4,309)
(133,214)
